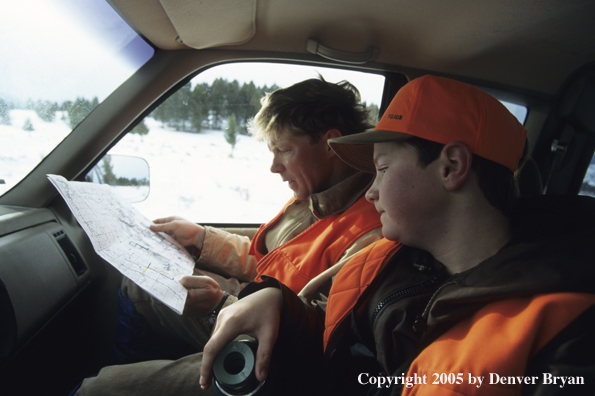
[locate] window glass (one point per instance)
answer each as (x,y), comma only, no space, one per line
(202,171)
(588,187)
(520,112)
(59,60)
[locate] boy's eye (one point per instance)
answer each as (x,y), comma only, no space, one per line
(381,169)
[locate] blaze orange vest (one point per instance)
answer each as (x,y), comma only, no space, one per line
(500,338)
(317,248)
(497,341)
(353,279)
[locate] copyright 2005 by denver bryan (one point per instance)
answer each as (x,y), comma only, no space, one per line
(467,379)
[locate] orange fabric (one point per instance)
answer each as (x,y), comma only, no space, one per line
(316,249)
(500,338)
(441,110)
(353,279)
(258,246)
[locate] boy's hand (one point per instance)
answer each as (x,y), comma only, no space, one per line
(256,315)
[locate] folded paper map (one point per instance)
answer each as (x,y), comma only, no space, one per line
(120,234)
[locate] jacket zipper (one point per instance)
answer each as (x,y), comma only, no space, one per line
(421,322)
(434,296)
(401,293)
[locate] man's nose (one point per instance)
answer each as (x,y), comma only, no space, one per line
(276,166)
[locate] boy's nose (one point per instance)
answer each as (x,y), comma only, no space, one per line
(372,194)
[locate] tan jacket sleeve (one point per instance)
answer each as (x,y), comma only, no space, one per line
(226,254)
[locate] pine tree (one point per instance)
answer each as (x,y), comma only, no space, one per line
(140,129)
(180,112)
(233,100)
(66,105)
(188,108)
(46,110)
(80,109)
(250,99)
(28,125)
(198,108)
(108,171)
(372,112)
(4,112)
(231,132)
(174,112)
(217,99)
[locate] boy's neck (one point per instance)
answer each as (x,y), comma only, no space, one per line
(475,237)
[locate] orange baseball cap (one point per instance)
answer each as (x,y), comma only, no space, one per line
(441,110)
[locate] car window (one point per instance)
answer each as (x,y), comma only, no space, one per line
(59,60)
(519,111)
(203,164)
(588,186)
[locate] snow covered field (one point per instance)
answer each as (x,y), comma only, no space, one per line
(191,175)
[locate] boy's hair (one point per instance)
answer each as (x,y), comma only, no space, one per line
(311,107)
(497,182)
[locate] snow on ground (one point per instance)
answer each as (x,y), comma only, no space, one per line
(191,175)
(20,150)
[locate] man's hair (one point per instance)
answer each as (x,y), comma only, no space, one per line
(311,107)
(497,182)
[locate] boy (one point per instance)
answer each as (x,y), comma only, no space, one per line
(479,287)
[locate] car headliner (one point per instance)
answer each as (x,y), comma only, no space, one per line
(528,44)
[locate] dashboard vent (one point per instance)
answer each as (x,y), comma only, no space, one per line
(76,261)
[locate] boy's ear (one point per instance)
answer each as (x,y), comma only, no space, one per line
(456,159)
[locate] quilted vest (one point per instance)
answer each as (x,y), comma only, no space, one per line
(317,248)
(353,279)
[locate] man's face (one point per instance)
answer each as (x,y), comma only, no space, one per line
(407,196)
(306,167)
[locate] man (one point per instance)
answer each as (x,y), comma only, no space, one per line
(326,222)
(479,287)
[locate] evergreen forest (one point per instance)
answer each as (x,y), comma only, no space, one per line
(189,109)
(221,105)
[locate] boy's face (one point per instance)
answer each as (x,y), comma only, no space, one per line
(409,198)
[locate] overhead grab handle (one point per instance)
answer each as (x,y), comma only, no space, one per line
(355,58)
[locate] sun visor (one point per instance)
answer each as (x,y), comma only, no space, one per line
(222,22)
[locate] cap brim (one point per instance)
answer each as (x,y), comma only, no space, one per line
(358,150)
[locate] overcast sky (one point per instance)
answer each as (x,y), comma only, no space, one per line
(52,49)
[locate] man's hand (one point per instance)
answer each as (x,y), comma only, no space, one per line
(257,315)
(185,232)
(204,294)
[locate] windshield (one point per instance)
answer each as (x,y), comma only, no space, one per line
(61,58)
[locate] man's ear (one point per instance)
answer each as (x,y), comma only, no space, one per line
(331,133)
(456,159)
